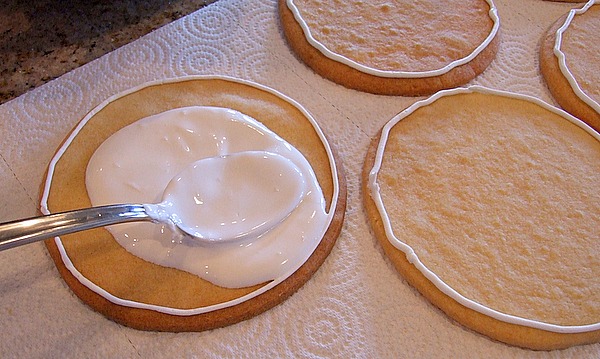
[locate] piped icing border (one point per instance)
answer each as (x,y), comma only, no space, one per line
(562,58)
(493,14)
(410,253)
(163,309)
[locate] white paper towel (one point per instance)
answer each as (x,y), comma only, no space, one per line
(356,305)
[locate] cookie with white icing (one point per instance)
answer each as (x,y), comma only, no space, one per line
(569,65)
(138,293)
(488,204)
(407,48)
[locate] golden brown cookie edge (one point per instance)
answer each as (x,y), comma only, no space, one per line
(558,85)
(150,320)
(354,79)
(512,334)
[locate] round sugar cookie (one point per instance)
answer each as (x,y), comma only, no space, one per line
(488,204)
(147,296)
(407,48)
(569,65)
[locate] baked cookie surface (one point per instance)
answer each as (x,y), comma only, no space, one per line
(487,203)
(393,48)
(147,296)
(569,65)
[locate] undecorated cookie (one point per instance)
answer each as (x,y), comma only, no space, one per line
(488,204)
(408,48)
(569,62)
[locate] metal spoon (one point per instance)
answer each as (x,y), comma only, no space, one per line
(260,172)
(25,231)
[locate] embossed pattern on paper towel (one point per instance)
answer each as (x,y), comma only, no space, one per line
(356,305)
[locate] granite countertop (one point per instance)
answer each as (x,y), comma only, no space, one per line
(42,40)
(356,305)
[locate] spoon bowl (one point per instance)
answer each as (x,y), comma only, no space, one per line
(215,199)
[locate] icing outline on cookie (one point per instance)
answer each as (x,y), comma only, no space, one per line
(562,58)
(413,258)
(163,309)
(493,14)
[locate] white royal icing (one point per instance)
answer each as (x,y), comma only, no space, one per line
(323,225)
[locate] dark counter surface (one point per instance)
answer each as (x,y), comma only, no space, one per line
(44,39)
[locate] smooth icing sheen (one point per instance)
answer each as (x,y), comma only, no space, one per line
(492,13)
(223,198)
(410,253)
(70,266)
(253,170)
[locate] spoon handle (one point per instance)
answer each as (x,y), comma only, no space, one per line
(20,232)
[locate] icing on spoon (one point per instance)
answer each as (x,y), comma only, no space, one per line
(231,196)
(214,199)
